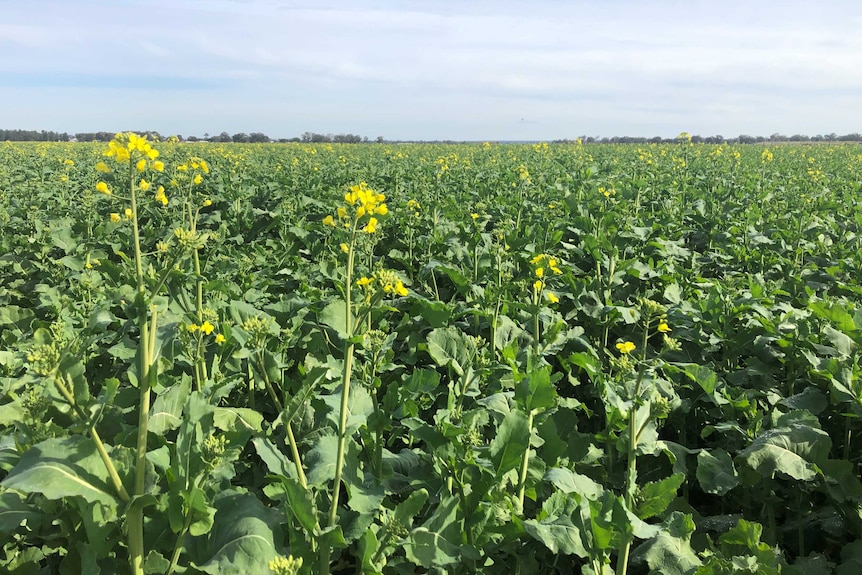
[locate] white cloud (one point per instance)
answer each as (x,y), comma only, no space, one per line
(448,69)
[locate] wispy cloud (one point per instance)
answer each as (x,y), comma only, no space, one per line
(447,69)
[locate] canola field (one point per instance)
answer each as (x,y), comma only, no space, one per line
(449,359)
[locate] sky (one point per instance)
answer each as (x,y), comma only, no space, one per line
(422,70)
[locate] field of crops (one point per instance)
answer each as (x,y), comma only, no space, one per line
(406,359)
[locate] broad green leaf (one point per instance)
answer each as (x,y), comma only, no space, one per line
(14,512)
(568,481)
(507,447)
(320,461)
(536,391)
(242,539)
(670,552)
(276,462)
(559,535)
(166,413)
(715,471)
(334,316)
(430,549)
(655,496)
(789,450)
(851,559)
(450,347)
(57,468)
(301,504)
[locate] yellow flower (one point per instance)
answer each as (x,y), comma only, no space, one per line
(192,327)
(159,166)
(161,197)
(69,163)
(540,272)
(220,339)
(198,179)
(102,167)
(329,221)
(400,289)
(626,347)
(344,247)
(364,281)
(102,187)
(538,285)
(475,216)
(208,203)
(144,185)
(207,328)
(115,217)
(182,168)
(64,178)
(372,225)
(663,327)
(382,210)
(552,297)
(141,165)
(341,212)
(128,213)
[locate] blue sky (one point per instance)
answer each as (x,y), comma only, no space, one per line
(485,70)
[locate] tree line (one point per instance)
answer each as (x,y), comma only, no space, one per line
(316,138)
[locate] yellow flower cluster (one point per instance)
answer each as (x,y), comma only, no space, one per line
(385,280)
(130,148)
(206,328)
(289,565)
(539,263)
(766,156)
(365,204)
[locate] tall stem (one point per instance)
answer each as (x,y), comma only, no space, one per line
(634,432)
(135,516)
(525,463)
(345,393)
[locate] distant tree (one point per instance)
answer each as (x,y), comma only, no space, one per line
(240,138)
(258,138)
(799,138)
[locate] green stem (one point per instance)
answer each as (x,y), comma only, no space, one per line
(345,394)
(634,433)
(100,446)
(294,449)
(525,464)
(135,515)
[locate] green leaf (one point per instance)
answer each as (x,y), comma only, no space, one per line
(276,462)
(851,559)
(655,496)
(450,347)
(568,481)
(57,468)
(508,446)
(715,472)
(670,552)
(536,391)
(166,413)
(242,537)
(334,316)
(301,505)
(320,461)
(436,313)
(559,535)
(790,450)
(430,549)
(14,512)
